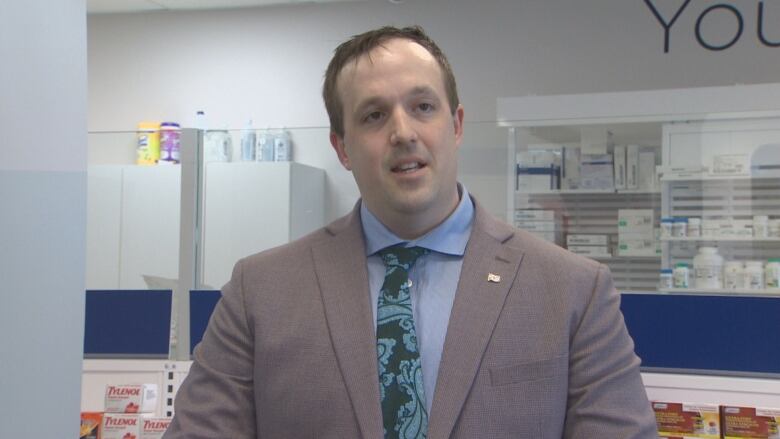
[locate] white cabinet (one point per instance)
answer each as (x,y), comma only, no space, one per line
(250,207)
(132,225)
(133,219)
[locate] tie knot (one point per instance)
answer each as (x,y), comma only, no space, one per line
(398,256)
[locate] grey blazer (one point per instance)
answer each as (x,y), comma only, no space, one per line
(290,349)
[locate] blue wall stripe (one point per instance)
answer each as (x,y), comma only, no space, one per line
(711,333)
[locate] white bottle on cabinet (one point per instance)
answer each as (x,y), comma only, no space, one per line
(708,268)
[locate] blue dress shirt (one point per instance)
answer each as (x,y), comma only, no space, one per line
(434,278)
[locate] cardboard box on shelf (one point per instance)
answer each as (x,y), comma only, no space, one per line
(620,166)
(585,239)
(632,166)
(750,422)
(590,250)
(596,172)
(636,221)
(90,425)
(554,237)
(154,428)
(120,426)
(536,215)
(131,398)
(538,226)
(687,420)
(646,175)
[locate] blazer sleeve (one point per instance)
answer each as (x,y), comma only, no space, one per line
(606,395)
(216,399)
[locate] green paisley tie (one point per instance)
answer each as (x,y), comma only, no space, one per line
(400,373)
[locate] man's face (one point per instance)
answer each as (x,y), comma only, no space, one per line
(400,136)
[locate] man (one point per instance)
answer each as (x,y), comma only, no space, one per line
(418,314)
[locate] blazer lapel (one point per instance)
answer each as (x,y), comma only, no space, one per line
(340,265)
(489,269)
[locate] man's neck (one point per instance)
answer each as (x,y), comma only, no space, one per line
(413,226)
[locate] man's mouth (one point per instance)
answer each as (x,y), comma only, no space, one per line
(408,167)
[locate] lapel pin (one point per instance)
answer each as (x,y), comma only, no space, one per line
(494,278)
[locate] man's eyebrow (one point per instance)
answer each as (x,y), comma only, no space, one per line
(371,101)
(423,90)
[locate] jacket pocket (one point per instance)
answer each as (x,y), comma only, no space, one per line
(531,371)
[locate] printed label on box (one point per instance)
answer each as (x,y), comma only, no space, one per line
(132,398)
(689,420)
(154,428)
(575,239)
(750,422)
(119,426)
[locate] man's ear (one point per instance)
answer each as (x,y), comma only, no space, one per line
(457,120)
(338,144)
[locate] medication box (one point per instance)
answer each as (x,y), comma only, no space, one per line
(577,239)
(535,215)
(119,426)
(749,422)
(538,226)
(687,420)
(131,398)
(635,221)
(154,428)
(590,250)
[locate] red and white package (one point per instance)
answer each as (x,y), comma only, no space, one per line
(120,426)
(153,428)
(131,398)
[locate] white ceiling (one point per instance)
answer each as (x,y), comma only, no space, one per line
(117,6)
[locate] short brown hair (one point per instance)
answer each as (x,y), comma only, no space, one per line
(364,43)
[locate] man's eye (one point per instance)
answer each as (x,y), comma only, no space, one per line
(373,116)
(425,107)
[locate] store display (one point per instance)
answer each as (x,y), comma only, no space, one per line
(90,425)
(681,275)
(772,274)
(689,420)
(708,269)
(131,398)
(730,164)
(750,422)
(248,145)
(646,175)
(148,143)
(170,143)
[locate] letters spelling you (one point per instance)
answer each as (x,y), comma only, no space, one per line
(724,7)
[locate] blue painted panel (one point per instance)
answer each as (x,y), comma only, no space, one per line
(202,303)
(127,323)
(714,333)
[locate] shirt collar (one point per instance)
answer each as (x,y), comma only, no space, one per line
(450,237)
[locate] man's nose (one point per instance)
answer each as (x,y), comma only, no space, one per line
(402,130)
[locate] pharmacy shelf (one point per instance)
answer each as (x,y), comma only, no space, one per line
(588,192)
(722,292)
(684,177)
(721,239)
(618,257)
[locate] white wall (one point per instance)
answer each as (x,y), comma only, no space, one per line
(267,63)
(42,215)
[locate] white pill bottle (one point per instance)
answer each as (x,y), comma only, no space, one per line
(708,269)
